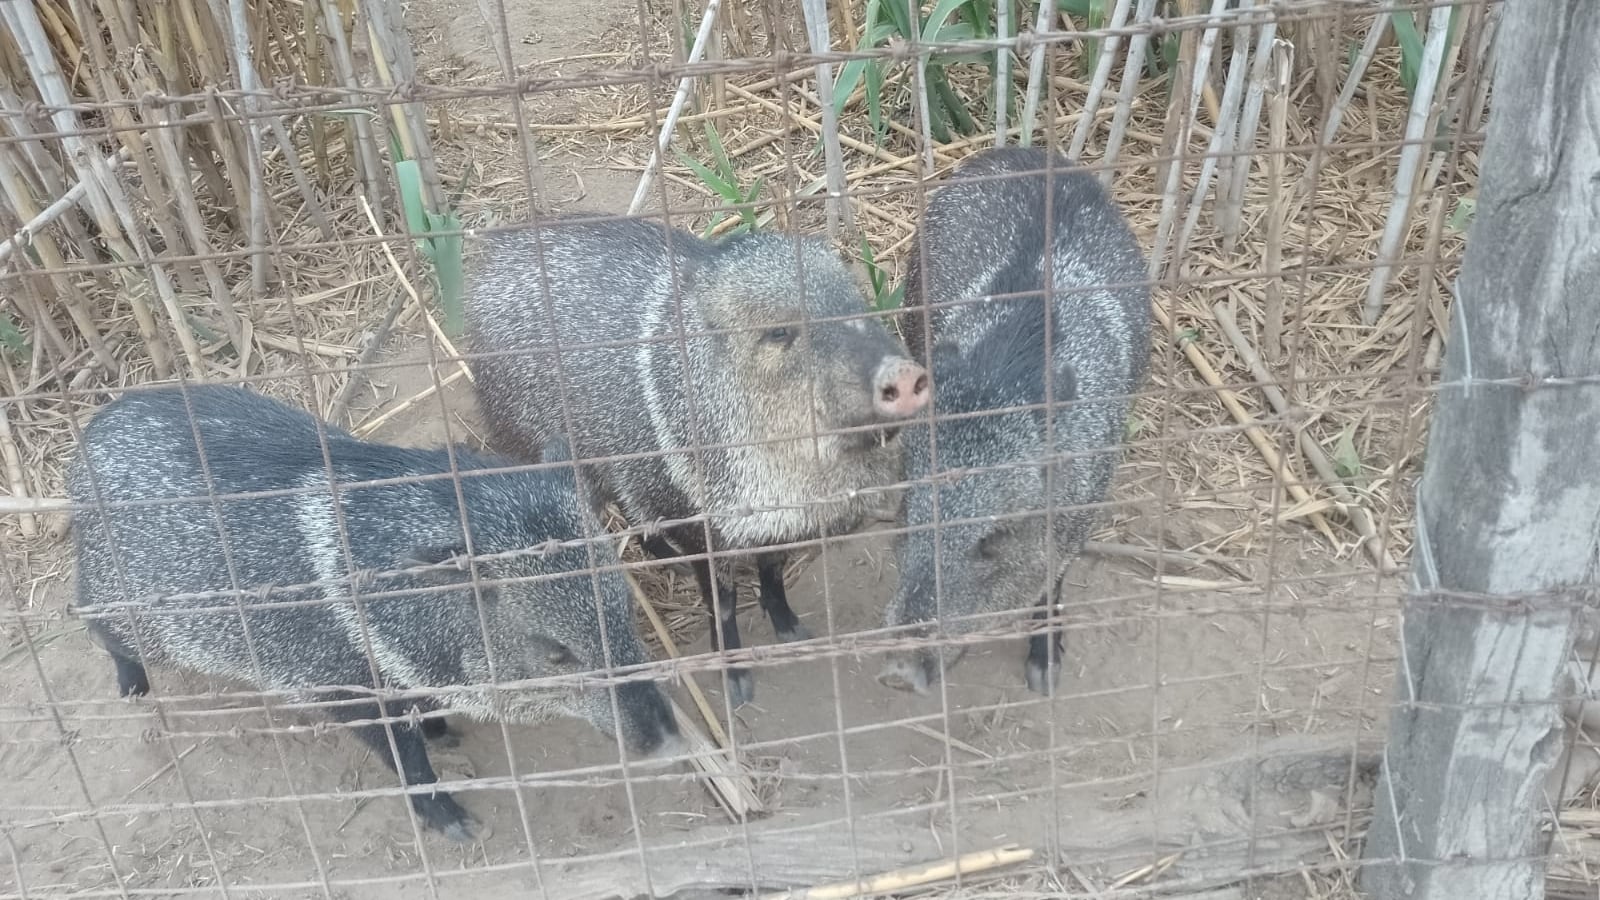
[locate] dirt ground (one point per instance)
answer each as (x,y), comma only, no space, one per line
(1156,679)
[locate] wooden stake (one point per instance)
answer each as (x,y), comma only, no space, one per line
(901,879)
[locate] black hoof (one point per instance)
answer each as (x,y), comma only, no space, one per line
(438,732)
(441,813)
(741,686)
(131,679)
(1042,677)
(797,633)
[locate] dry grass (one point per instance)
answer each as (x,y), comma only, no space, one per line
(1187,452)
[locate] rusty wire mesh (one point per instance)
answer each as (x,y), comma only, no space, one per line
(1229,631)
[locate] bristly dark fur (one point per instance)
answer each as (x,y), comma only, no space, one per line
(142,447)
(978,242)
(633,281)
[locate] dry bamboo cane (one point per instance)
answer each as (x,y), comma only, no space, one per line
(102,188)
(1358,70)
(366,148)
(1252,429)
(1230,220)
(13,463)
(1130,83)
(657,153)
(839,217)
(1002,68)
(54,262)
(911,877)
(1102,75)
(1277,209)
(46,170)
(1419,129)
(1222,142)
(106,88)
(1030,104)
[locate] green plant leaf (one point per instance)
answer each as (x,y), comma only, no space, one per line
(729,192)
(849,76)
(448,268)
(12,340)
(1405,33)
(937,18)
(875,117)
(892,300)
(408,175)
(1461,217)
(1346,461)
(719,155)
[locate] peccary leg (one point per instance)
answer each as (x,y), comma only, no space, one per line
(439,811)
(437,729)
(658,547)
(775,601)
(132,680)
(1044,654)
(725,634)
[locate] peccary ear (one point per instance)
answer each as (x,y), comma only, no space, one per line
(992,544)
(434,555)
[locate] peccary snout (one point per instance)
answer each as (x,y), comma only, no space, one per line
(901,387)
(917,670)
(648,729)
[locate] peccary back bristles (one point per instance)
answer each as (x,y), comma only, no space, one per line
(771,378)
(423,626)
(979,241)
(744,373)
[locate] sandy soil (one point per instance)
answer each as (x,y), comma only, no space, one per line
(1152,681)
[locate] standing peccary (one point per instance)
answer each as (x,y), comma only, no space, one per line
(980,241)
(142,447)
(763,378)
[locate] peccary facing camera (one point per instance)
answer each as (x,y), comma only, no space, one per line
(984,240)
(751,366)
(423,625)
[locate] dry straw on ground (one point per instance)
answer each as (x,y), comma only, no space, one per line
(1356,392)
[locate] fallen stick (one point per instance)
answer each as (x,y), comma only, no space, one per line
(1153,555)
(1252,428)
(1349,504)
(734,790)
(901,879)
(358,372)
(371,425)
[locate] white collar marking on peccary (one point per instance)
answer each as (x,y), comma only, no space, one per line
(757,480)
(320,532)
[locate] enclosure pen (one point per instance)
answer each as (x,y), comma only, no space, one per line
(902,448)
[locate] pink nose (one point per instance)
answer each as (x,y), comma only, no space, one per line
(901,388)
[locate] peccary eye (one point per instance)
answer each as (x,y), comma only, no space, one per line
(779,335)
(989,545)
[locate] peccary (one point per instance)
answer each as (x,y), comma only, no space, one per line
(423,624)
(984,240)
(751,366)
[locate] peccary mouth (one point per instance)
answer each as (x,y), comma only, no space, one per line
(876,439)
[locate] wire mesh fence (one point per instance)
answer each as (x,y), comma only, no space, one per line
(1078,501)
